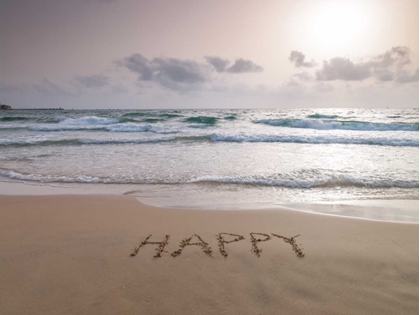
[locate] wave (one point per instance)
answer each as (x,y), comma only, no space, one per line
(336,124)
(322,116)
(240,137)
(7,126)
(36,119)
(13,118)
(302,179)
(50,179)
(155,123)
(137,114)
(57,127)
(151,114)
(72,142)
(169,116)
(318,180)
(131,127)
(120,127)
(197,126)
(88,120)
(209,120)
(244,137)
(150,120)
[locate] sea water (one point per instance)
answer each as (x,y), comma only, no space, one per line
(217,158)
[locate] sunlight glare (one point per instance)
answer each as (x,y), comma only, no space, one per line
(337,25)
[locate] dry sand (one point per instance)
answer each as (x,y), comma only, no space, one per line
(71,255)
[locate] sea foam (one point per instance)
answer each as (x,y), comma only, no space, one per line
(301,179)
(335,124)
(245,137)
(89,120)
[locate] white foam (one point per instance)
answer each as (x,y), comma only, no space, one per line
(333,124)
(301,180)
(197,126)
(49,178)
(69,141)
(124,141)
(245,137)
(58,127)
(88,120)
(132,127)
(12,126)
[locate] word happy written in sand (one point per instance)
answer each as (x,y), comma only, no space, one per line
(222,240)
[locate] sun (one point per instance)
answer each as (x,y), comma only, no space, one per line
(337,25)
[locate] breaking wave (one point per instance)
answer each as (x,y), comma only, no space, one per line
(119,127)
(89,120)
(301,179)
(244,137)
(69,142)
(151,114)
(336,124)
(215,137)
(322,116)
(131,127)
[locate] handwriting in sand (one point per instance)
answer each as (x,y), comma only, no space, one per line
(222,240)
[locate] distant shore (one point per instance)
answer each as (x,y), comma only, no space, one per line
(37,108)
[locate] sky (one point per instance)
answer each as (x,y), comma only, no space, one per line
(85,54)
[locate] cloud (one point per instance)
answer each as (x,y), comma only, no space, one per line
(303,76)
(180,74)
(138,64)
(242,65)
(298,59)
(343,69)
(218,63)
(181,71)
(405,77)
(170,73)
(383,67)
(93,81)
(399,55)
(292,83)
(384,75)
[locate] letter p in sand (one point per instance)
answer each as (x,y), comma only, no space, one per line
(222,241)
(254,242)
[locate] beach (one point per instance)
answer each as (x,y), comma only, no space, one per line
(251,212)
(72,254)
(209,157)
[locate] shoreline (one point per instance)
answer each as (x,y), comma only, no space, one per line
(70,254)
(383,210)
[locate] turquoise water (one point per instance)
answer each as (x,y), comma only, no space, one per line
(234,156)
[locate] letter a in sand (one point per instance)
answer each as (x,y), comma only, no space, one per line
(186,242)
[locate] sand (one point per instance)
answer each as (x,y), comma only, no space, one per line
(71,254)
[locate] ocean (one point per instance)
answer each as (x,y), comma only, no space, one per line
(217,158)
